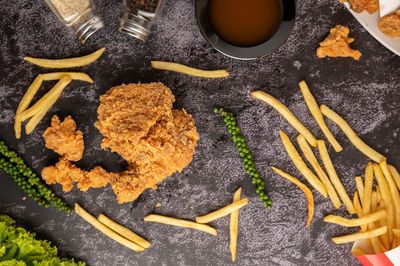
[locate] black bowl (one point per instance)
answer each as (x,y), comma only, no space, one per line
(252,52)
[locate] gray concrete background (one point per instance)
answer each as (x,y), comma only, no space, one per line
(364,92)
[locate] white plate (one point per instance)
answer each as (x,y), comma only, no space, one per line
(370,23)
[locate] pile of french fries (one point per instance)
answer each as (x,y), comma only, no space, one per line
(200,224)
(378,209)
(40,108)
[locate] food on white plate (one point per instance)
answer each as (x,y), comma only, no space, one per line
(189,70)
(310,156)
(64,139)
(371,6)
(337,44)
(137,121)
(43,103)
(105,230)
(123,231)
(66,63)
(316,113)
(349,132)
(390,24)
(222,212)
(19,247)
(181,223)
(304,188)
(287,114)
(301,165)
(234,226)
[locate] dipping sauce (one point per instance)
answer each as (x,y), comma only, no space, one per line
(245,22)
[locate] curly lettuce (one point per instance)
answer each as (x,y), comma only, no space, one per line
(18,247)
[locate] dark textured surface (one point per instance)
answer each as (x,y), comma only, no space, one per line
(364,92)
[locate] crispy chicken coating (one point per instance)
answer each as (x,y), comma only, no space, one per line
(371,6)
(64,139)
(390,25)
(137,121)
(337,44)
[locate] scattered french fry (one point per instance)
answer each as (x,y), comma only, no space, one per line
(369,218)
(44,101)
(316,113)
(123,231)
(222,212)
(349,132)
(301,165)
(105,230)
(308,153)
(74,75)
(287,114)
(304,188)
(66,63)
(180,223)
(234,225)
(189,70)
(326,159)
(357,236)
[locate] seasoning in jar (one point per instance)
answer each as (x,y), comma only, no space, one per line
(245,23)
(79,14)
(139,16)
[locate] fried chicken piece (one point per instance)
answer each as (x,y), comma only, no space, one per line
(126,185)
(127,112)
(358,6)
(65,173)
(390,25)
(337,44)
(64,139)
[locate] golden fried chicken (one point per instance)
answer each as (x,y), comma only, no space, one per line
(390,25)
(64,139)
(137,121)
(371,6)
(337,44)
(65,173)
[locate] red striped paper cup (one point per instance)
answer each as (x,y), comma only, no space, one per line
(389,258)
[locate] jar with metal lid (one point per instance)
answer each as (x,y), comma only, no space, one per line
(139,16)
(78,14)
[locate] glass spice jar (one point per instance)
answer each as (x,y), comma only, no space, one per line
(139,16)
(78,14)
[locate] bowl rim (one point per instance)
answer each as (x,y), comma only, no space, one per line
(252,52)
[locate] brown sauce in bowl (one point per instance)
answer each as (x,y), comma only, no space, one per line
(245,22)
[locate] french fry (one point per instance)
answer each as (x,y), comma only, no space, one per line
(360,187)
(369,179)
(301,165)
(386,196)
(358,252)
(396,175)
(357,236)
(222,212)
(326,159)
(308,153)
(74,75)
(180,223)
(34,121)
(396,232)
(287,114)
(105,230)
(393,190)
(351,135)
(369,218)
(123,231)
(316,113)
(304,188)
(66,63)
(189,70)
(44,101)
(234,225)
(357,205)
(375,241)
